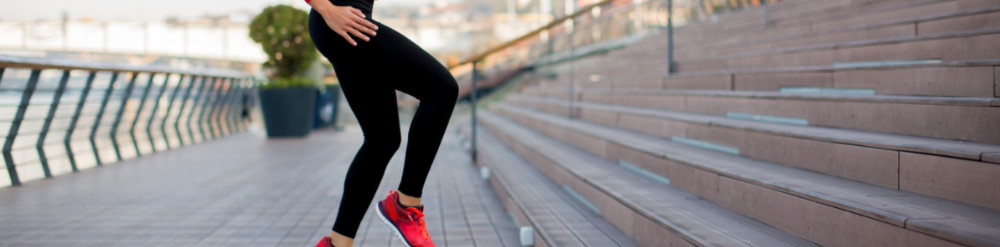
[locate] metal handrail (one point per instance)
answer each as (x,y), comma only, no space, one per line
(474,60)
(129,111)
(533,33)
(667,7)
(7,61)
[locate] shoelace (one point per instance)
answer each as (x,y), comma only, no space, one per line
(416,213)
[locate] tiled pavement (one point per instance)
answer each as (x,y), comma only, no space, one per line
(243,190)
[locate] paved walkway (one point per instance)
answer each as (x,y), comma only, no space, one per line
(243,190)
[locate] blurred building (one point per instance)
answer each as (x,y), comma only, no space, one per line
(219,41)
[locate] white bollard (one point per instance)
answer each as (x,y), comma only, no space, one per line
(527,236)
(484,172)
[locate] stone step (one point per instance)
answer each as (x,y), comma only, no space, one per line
(750,21)
(900,18)
(935,21)
(893,161)
(953,118)
(945,46)
(534,200)
(651,213)
(952,46)
(973,78)
(962,20)
(823,209)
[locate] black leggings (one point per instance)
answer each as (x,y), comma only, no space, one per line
(369,75)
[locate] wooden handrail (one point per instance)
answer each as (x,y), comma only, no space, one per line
(510,43)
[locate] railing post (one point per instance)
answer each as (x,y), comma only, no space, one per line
(16,124)
(670,37)
(205,119)
(100,114)
(194,108)
(221,110)
(242,102)
(224,110)
(222,114)
(40,144)
(138,113)
(472,97)
(235,88)
(217,99)
(254,100)
(121,112)
(572,69)
(235,105)
(225,115)
(251,103)
(207,105)
(246,102)
(767,13)
(152,115)
(180,112)
(68,139)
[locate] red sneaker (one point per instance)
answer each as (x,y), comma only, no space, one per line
(325,242)
(408,222)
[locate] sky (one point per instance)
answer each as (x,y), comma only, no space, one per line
(135,10)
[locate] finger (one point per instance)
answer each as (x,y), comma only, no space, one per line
(363,28)
(367,23)
(358,12)
(358,34)
(348,38)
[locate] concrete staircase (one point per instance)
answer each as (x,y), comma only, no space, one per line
(840,123)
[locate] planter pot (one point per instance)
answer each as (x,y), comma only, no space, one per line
(288,112)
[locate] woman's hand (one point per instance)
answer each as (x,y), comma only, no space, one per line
(345,20)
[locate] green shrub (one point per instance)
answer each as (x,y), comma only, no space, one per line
(282,31)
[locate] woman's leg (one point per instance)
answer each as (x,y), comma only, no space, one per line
(369,74)
(373,101)
(374,105)
(420,75)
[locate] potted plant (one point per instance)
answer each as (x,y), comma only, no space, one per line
(288,98)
